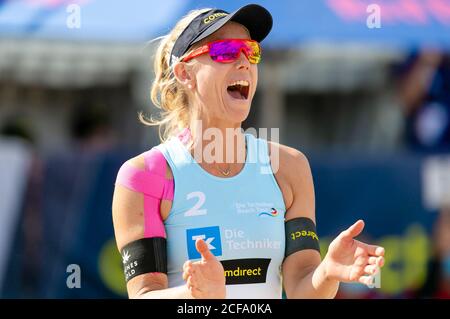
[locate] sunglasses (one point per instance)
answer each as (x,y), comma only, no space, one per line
(228,50)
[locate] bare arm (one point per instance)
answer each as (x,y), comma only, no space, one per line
(347,259)
(304,276)
(128,219)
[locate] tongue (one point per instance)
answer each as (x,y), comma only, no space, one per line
(235,94)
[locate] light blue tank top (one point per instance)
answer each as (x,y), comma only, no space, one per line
(241,218)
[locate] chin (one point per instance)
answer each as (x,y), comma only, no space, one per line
(239,115)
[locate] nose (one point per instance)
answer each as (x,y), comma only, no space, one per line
(242,61)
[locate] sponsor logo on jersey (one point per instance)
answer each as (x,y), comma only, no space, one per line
(245,271)
(261,209)
(237,239)
(272,213)
(211,236)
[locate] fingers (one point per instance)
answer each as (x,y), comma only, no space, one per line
(379,261)
(203,249)
(361,261)
(379,251)
(365,266)
(189,275)
(373,250)
(187,264)
(353,230)
(196,293)
(188,272)
(366,280)
(371,269)
(192,282)
(194,288)
(366,274)
(187,269)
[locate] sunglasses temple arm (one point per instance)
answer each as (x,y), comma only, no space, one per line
(202,50)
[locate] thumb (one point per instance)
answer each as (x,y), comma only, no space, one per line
(354,230)
(203,249)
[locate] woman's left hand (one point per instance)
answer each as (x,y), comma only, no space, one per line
(349,260)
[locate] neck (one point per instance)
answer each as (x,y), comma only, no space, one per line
(217,143)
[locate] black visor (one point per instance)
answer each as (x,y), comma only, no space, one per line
(255,18)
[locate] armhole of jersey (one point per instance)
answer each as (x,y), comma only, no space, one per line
(269,169)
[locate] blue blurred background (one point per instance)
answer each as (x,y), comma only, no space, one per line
(366,99)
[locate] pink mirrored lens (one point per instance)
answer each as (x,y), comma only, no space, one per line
(229,50)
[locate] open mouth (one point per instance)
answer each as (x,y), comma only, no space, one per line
(239,90)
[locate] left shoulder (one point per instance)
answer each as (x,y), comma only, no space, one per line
(291,160)
(294,170)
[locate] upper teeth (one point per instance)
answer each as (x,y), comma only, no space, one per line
(241,82)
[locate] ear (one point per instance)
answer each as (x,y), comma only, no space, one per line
(183,74)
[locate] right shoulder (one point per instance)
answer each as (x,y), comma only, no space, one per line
(139,175)
(146,162)
(128,204)
(137,162)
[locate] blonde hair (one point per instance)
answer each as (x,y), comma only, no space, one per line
(167,93)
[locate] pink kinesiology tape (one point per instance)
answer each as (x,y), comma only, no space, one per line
(153,184)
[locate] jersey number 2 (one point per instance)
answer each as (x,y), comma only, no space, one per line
(196,211)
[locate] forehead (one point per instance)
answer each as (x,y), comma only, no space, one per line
(231,30)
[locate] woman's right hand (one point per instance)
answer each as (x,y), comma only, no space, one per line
(205,279)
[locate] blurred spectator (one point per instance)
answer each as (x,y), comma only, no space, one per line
(31,228)
(91,127)
(17,127)
(29,237)
(425,96)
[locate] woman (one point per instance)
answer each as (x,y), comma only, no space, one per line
(240,228)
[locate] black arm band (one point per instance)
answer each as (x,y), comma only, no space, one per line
(144,256)
(300,234)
